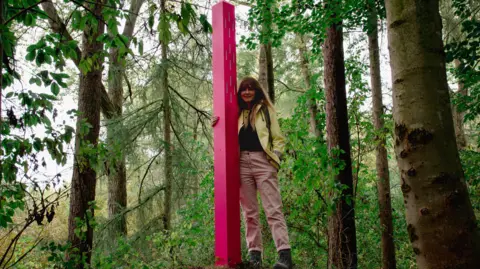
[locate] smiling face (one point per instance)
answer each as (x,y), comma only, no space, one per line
(248,95)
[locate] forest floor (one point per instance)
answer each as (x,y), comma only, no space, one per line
(243,265)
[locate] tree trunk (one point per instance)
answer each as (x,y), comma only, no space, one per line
(270,75)
(383,177)
(265,70)
(84,179)
(168,173)
(342,246)
(2,3)
(441,223)
(458,116)
(117,179)
(311,103)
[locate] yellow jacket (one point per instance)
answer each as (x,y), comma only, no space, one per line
(278,141)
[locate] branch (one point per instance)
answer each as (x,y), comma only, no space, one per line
(145,175)
(321,197)
(60,28)
(129,86)
(288,88)
(183,146)
(158,190)
(311,236)
(242,3)
(15,239)
(23,11)
(107,106)
(26,253)
(202,112)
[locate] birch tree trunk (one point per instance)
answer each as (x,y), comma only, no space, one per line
(441,223)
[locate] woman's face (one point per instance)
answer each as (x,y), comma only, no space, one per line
(248,95)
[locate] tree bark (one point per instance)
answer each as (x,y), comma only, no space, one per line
(307,77)
(440,219)
(2,3)
(117,178)
(458,116)
(270,75)
(342,246)
(168,172)
(383,177)
(265,70)
(84,180)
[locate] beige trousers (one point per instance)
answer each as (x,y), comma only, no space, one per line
(256,173)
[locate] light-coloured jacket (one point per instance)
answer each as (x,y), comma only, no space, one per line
(278,140)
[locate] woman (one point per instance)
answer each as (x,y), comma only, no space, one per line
(261,144)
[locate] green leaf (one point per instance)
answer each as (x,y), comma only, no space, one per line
(112,26)
(164,29)
(186,12)
(58,77)
(40,58)
(183,29)
(29,20)
(151,21)
(76,19)
(10,94)
(31,48)
(206,26)
(55,88)
(140,47)
(31,55)
(72,54)
(48,59)
(37,144)
(68,133)
(47,121)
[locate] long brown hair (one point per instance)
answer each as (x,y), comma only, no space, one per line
(261,98)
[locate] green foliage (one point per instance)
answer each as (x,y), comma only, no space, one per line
(306,183)
(186,19)
(467,52)
(471,167)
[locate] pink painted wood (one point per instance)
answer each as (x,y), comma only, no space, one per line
(226,153)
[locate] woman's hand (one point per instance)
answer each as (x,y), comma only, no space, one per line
(215,120)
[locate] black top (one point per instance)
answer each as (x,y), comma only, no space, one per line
(248,139)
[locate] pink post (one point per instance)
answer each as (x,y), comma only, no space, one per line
(227,174)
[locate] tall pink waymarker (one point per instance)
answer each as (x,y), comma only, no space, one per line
(226,151)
